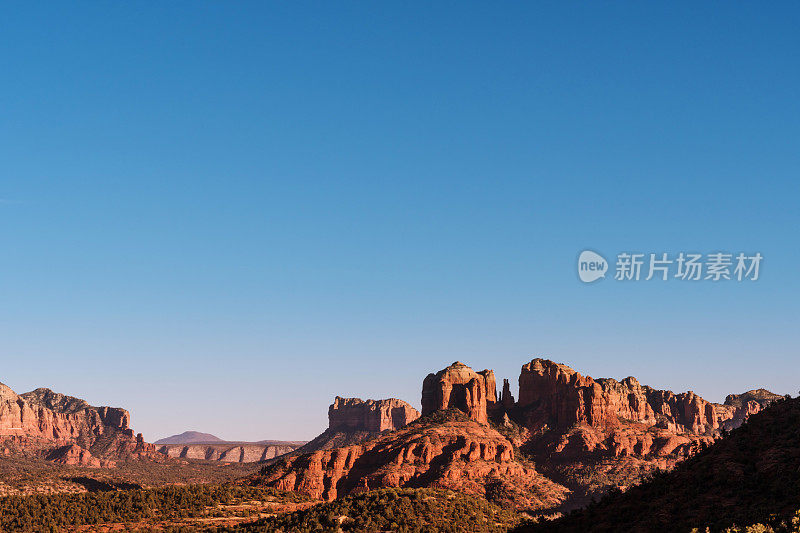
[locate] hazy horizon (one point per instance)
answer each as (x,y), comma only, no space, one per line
(220,216)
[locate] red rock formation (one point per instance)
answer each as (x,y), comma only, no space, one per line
(506,400)
(355,414)
(738,407)
(620,418)
(67,429)
(72,454)
(352,420)
(594,433)
(460,387)
(566,398)
(458,453)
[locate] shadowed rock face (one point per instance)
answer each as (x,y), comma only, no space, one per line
(748,477)
(761,396)
(66,429)
(739,407)
(460,387)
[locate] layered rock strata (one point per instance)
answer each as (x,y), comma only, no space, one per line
(353,420)
(67,430)
(228,452)
(458,453)
(460,387)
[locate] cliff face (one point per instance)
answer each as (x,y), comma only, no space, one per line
(355,414)
(575,416)
(353,420)
(560,396)
(228,452)
(582,433)
(746,482)
(566,397)
(67,429)
(460,387)
(739,407)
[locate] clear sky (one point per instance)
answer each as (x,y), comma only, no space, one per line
(221,215)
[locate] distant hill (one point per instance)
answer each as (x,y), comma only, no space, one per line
(747,481)
(189,437)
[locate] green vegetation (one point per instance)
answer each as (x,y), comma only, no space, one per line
(776,525)
(51,512)
(751,476)
(747,482)
(24,474)
(401,510)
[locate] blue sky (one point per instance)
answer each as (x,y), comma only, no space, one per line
(221,215)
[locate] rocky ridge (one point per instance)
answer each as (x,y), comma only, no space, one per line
(451,452)
(584,435)
(620,417)
(67,430)
(745,481)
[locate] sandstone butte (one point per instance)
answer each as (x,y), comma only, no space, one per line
(67,430)
(566,439)
(353,420)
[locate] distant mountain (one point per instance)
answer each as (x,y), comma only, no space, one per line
(189,437)
(204,446)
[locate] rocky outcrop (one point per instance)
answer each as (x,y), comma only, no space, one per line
(458,453)
(746,482)
(355,414)
(72,454)
(620,418)
(67,429)
(506,399)
(606,431)
(229,452)
(564,398)
(761,396)
(460,387)
(739,407)
(582,433)
(353,420)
